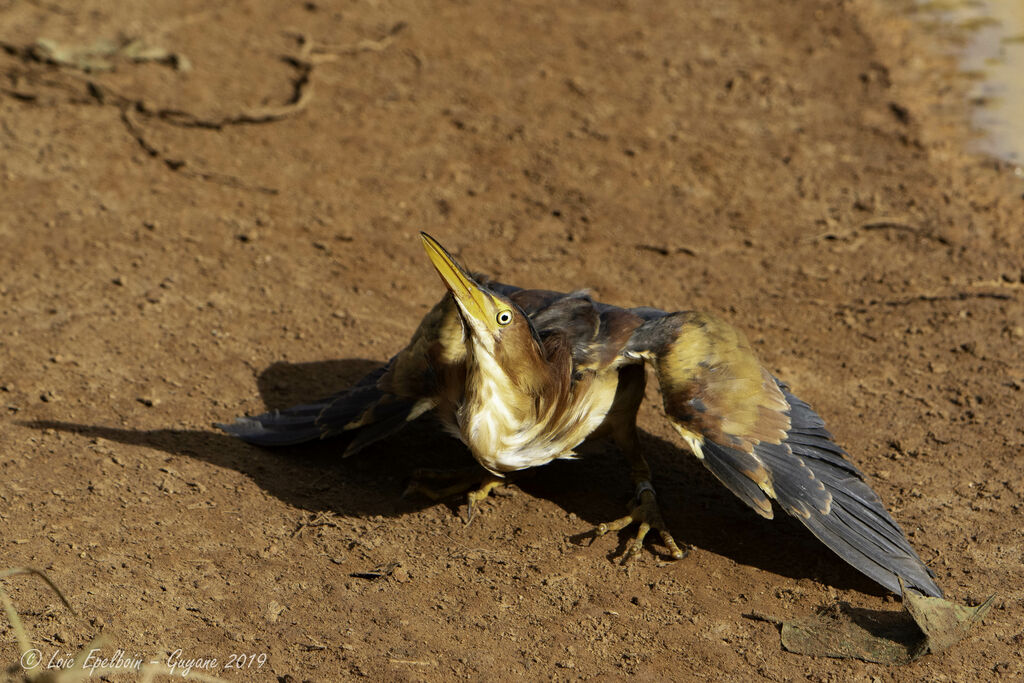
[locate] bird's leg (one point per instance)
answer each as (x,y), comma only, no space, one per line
(644,507)
(474,481)
(643,511)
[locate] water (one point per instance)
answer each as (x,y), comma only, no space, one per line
(989,41)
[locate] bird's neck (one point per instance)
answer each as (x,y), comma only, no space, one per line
(495,386)
(505,395)
(526,413)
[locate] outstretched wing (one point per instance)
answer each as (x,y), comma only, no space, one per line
(381,403)
(310,421)
(764,443)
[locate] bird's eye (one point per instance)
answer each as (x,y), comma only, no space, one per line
(504,318)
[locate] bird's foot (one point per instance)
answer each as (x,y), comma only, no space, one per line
(475,482)
(643,511)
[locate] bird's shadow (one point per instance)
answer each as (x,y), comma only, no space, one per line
(698,510)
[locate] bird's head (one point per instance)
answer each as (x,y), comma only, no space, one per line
(495,324)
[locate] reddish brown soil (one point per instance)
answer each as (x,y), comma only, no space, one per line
(796,170)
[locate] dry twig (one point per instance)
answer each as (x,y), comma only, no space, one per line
(132,108)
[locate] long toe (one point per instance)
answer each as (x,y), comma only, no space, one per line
(474,497)
(643,512)
(440,484)
(475,482)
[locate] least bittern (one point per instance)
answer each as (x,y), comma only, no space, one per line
(522,377)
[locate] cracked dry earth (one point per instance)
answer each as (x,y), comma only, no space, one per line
(234,226)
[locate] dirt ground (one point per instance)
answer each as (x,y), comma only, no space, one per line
(235,227)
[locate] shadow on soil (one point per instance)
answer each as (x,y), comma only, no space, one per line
(699,511)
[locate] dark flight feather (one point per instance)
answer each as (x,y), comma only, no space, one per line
(802,468)
(364,403)
(755,436)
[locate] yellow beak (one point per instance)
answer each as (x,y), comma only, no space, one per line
(471,299)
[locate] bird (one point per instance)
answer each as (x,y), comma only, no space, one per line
(523,376)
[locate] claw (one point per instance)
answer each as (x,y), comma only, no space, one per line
(480,494)
(443,483)
(474,482)
(644,511)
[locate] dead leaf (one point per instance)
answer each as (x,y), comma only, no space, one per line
(848,632)
(942,622)
(927,625)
